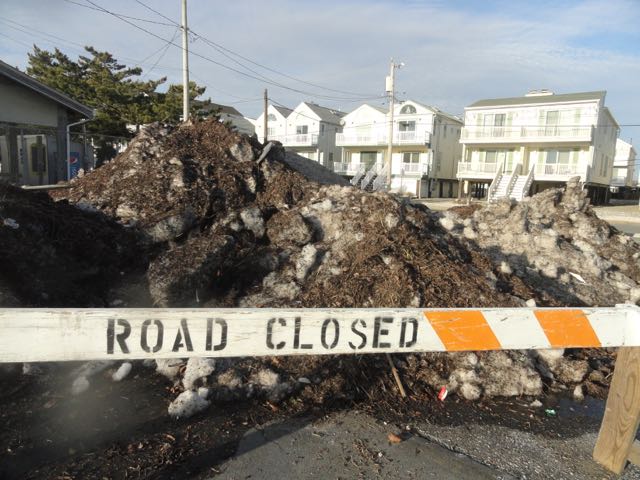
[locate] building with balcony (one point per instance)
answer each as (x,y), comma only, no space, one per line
(308,130)
(424,153)
(624,177)
(516,146)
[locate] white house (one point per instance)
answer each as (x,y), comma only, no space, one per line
(311,132)
(234,117)
(425,147)
(624,166)
(276,123)
(516,146)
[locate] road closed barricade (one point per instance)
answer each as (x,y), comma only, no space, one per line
(64,334)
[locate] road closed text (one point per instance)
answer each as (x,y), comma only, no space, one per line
(239,337)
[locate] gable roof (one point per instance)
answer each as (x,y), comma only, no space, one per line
(284,111)
(435,110)
(534,99)
(25,80)
(222,108)
(326,114)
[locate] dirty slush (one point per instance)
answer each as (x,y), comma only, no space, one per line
(192,216)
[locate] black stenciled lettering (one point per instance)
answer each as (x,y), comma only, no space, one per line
(183,331)
(403,332)
(121,337)
(144,341)
(296,336)
(378,332)
(363,337)
(270,323)
(336,333)
(223,334)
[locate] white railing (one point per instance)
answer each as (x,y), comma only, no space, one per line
(297,140)
(528,181)
(412,167)
(558,169)
(618,181)
(340,167)
(380,138)
(495,182)
(477,167)
(556,132)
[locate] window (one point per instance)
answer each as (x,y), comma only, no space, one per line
(330,157)
(368,158)
(271,132)
(407,109)
(551,122)
(445,131)
(321,128)
(302,129)
(271,117)
(411,157)
(490,156)
(407,126)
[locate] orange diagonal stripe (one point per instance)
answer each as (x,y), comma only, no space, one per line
(567,328)
(463,330)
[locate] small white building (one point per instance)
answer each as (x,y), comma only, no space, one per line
(234,117)
(276,123)
(425,147)
(516,146)
(624,166)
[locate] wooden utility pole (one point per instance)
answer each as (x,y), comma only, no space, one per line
(185,64)
(266,117)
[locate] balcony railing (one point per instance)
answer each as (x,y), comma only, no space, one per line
(561,169)
(346,168)
(541,133)
(484,168)
(379,138)
(412,167)
(297,140)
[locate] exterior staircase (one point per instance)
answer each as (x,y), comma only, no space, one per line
(515,185)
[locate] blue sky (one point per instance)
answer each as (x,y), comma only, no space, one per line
(455,52)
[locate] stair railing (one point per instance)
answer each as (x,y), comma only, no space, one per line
(495,182)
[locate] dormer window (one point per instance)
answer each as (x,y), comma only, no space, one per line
(407,109)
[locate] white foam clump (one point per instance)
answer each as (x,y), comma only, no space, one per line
(187,404)
(169,367)
(505,268)
(447,223)
(197,368)
(122,372)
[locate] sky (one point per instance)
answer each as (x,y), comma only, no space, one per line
(454,52)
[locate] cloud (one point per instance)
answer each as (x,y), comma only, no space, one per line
(455,52)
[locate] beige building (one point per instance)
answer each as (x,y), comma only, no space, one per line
(513,147)
(424,152)
(33,123)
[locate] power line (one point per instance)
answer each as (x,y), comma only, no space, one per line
(221,48)
(121,14)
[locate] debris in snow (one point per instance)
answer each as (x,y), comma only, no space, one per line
(122,372)
(505,268)
(203,392)
(266,378)
(187,404)
(393,438)
(11,223)
(197,368)
(169,367)
(577,277)
(442,394)
(578,393)
(531,303)
(304,380)
(80,385)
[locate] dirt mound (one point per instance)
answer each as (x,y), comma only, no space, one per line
(54,254)
(556,244)
(229,230)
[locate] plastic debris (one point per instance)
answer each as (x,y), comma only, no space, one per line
(442,394)
(578,277)
(11,223)
(551,412)
(393,438)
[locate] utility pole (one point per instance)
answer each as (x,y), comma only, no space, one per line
(391,91)
(185,64)
(266,117)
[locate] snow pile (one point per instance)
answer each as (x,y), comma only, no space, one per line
(187,404)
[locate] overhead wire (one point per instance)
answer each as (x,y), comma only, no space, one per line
(221,48)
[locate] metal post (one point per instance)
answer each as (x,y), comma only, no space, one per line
(390,89)
(185,64)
